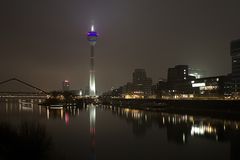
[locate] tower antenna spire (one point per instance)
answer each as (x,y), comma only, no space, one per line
(92,28)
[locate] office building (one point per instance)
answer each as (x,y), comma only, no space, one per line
(65,85)
(235,54)
(142,83)
(212,87)
(178,80)
(178,73)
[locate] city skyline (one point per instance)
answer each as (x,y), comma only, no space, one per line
(50,37)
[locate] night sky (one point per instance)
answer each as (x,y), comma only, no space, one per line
(44,41)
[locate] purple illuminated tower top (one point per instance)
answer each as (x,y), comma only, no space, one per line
(92,36)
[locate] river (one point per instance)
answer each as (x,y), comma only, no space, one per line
(28,130)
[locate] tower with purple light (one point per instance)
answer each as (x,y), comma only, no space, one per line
(92,39)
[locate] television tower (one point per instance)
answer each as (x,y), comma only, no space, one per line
(92,39)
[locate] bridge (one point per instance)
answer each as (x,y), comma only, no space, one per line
(30,92)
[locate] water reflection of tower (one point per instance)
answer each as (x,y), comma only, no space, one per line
(92,113)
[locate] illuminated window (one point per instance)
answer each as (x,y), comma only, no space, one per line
(209,88)
(198,85)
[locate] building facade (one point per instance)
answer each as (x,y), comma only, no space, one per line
(65,85)
(212,87)
(142,83)
(178,73)
(178,80)
(235,54)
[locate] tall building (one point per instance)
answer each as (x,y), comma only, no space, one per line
(65,85)
(139,75)
(235,53)
(141,82)
(92,39)
(178,73)
(160,89)
(178,79)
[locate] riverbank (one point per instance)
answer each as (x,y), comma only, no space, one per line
(229,109)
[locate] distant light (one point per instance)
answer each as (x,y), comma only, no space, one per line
(66,81)
(196,75)
(80,93)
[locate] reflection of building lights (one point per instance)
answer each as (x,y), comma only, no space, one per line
(184,138)
(40,109)
(126,110)
(185,117)
(61,113)
(173,120)
(47,113)
(201,130)
(133,96)
(197,130)
(67,118)
(191,119)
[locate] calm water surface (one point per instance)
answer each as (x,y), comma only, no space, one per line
(107,132)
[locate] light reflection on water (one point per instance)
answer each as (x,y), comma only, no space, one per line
(100,132)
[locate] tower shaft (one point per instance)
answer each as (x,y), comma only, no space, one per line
(92,86)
